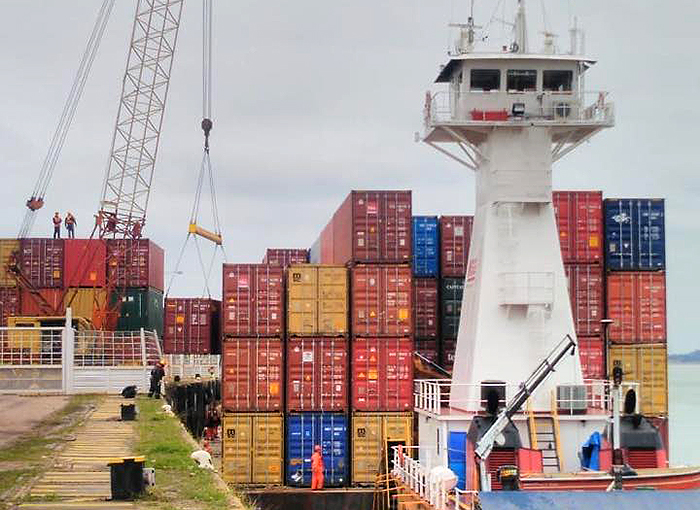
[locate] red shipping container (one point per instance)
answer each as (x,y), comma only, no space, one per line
(135,263)
(447,353)
(317,374)
(591,351)
(579,216)
(425,307)
(381,300)
(191,326)
(637,307)
(661,423)
(286,256)
(84,263)
(9,304)
(428,348)
(29,304)
(252,374)
(455,239)
(41,261)
(585,283)
(369,226)
(382,374)
(253,300)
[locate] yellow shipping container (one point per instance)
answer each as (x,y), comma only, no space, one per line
(317,300)
(7,248)
(83,300)
(646,364)
(372,436)
(24,339)
(253,450)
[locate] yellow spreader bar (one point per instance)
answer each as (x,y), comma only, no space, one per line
(206,234)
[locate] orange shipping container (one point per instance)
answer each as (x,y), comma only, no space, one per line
(637,306)
(381,300)
(579,216)
(30,307)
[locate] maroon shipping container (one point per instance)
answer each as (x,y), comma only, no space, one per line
(369,226)
(579,216)
(317,374)
(381,300)
(135,263)
(41,261)
(9,304)
(382,374)
(636,303)
(425,307)
(591,351)
(252,374)
(448,347)
(586,293)
(428,348)
(253,300)
(29,304)
(286,256)
(85,263)
(455,239)
(191,326)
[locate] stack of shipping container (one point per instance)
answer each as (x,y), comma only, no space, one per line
(61,273)
(426,262)
(370,234)
(635,259)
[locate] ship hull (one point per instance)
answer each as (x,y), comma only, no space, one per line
(660,479)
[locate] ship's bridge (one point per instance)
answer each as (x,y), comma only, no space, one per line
(485,90)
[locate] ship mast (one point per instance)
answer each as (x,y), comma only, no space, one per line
(520,30)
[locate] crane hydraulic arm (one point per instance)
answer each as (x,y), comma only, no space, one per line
(129,175)
(484,446)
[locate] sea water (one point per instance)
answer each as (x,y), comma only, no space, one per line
(684,413)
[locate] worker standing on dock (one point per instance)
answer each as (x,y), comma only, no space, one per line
(70,225)
(57,225)
(317,468)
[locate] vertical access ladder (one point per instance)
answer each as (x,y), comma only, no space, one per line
(545,436)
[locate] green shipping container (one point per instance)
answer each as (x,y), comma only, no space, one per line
(140,308)
(451,305)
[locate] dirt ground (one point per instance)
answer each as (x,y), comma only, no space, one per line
(19,414)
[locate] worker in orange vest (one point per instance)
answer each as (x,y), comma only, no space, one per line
(317,469)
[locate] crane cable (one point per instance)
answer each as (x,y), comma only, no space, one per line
(36,200)
(206,174)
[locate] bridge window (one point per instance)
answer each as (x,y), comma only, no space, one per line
(484,80)
(522,80)
(557,81)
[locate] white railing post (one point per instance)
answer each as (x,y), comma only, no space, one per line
(68,354)
(144,357)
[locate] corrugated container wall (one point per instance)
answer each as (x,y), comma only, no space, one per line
(455,239)
(286,256)
(253,448)
(317,374)
(140,308)
(381,300)
(451,306)
(585,282)
(252,374)
(9,304)
(382,374)
(85,263)
(637,307)
(648,366)
(426,246)
(317,300)
(371,433)
(428,348)
(448,347)
(579,217)
(41,261)
(591,350)
(191,326)
(369,226)
(304,432)
(29,304)
(425,308)
(252,303)
(635,236)
(9,248)
(135,263)
(83,301)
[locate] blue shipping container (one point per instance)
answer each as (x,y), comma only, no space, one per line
(304,431)
(635,238)
(426,246)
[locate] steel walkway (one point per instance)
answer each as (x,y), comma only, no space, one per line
(79,479)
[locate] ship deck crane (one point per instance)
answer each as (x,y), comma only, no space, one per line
(485,445)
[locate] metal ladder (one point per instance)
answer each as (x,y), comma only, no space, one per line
(545,437)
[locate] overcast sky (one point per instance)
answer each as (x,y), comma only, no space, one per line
(314,98)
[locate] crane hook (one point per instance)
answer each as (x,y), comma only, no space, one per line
(207,124)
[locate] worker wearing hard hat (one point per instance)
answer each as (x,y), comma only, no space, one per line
(157,375)
(70,225)
(57,225)
(317,468)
